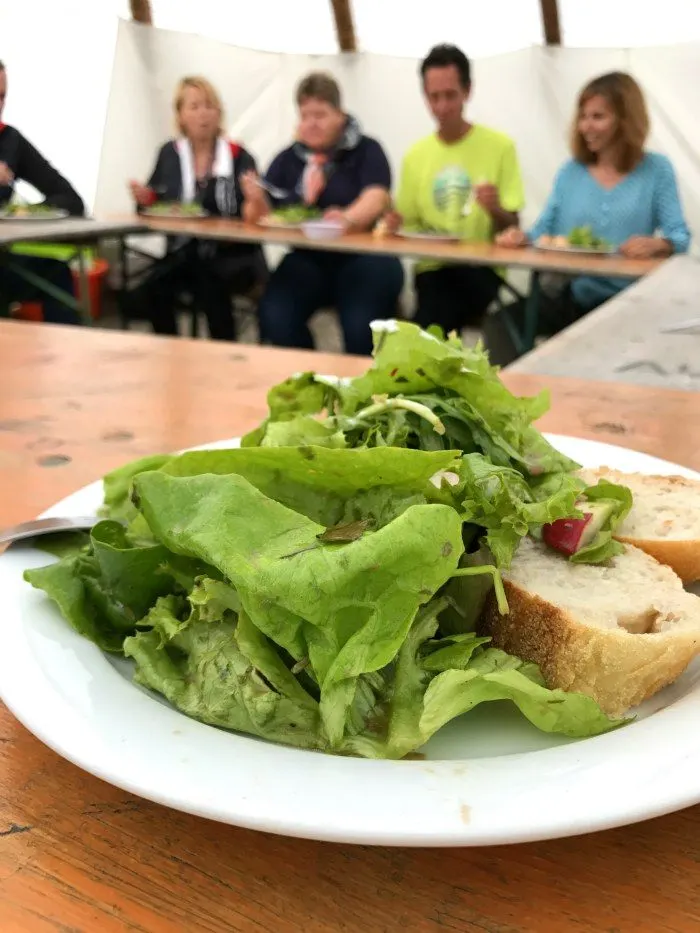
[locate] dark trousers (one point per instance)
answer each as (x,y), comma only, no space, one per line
(455,296)
(361,287)
(210,281)
(14,288)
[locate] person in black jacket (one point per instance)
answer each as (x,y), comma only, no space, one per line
(201,166)
(19,160)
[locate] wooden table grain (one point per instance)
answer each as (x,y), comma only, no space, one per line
(485,254)
(80,856)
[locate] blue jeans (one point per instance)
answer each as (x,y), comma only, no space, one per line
(14,288)
(361,287)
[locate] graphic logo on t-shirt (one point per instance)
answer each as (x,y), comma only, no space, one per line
(451,188)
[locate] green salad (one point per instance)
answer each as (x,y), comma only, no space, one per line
(294,214)
(28,210)
(321,585)
(585,237)
(177,208)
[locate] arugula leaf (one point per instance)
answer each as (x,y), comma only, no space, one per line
(500,500)
(422,391)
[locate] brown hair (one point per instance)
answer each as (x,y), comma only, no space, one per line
(209,91)
(626,99)
(320,86)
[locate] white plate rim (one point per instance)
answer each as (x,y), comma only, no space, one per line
(424,235)
(586,250)
(442,797)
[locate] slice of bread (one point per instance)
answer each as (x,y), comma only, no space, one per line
(664,520)
(618,632)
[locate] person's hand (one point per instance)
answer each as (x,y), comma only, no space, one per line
(338,215)
(486,195)
(250,187)
(512,238)
(393,221)
(7,176)
(644,247)
(142,194)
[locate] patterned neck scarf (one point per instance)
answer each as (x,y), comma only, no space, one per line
(320,165)
(313,179)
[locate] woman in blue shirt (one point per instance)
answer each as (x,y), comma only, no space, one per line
(627,196)
(333,167)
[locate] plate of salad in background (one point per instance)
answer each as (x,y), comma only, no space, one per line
(176,210)
(579,240)
(31,212)
(291,217)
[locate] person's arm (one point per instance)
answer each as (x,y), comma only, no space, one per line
(257,202)
(671,234)
(547,223)
(33,168)
(155,188)
(375,184)
(668,211)
(511,195)
(245,167)
(407,195)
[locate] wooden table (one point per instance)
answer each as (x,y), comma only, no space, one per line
(476,254)
(80,856)
(481,254)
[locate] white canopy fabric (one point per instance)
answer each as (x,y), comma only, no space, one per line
(409,27)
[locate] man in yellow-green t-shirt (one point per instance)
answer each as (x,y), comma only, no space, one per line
(464,179)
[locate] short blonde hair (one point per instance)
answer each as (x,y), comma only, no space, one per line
(626,99)
(199,84)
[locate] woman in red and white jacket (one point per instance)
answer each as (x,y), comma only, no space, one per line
(201,166)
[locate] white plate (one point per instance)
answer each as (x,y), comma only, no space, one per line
(424,235)
(586,250)
(34,218)
(488,778)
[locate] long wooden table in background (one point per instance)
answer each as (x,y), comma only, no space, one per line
(482,254)
(79,855)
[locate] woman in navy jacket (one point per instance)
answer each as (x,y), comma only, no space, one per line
(334,167)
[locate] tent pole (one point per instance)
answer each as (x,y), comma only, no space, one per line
(141,11)
(550,21)
(344,25)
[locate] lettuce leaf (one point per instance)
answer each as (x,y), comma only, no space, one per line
(223,671)
(495,675)
(345,607)
(603,546)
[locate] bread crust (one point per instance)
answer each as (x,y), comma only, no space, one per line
(616,667)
